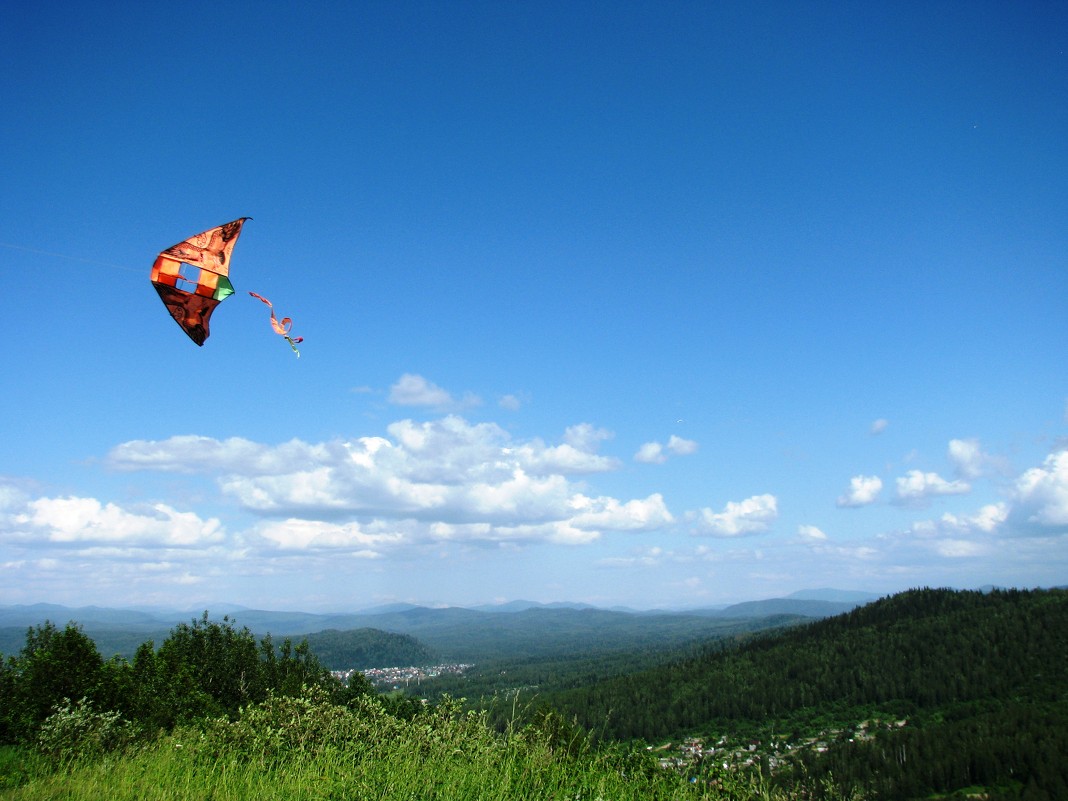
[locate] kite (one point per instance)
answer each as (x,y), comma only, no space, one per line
(192,277)
(281,327)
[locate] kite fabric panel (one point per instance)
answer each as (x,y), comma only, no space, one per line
(193,277)
(282,326)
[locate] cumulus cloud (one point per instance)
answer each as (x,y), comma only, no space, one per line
(1042,493)
(654,452)
(445,480)
(969,460)
(680,446)
(586,437)
(916,487)
(953,537)
(576,454)
(752,516)
(811,534)
(414,390)
(986,521)
(650,453)
(879,426)
(364,541)
(87,520)
(862,491)
(509,402)
(610,514)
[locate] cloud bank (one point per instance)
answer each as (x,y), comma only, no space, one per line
(451,489)
(446,479)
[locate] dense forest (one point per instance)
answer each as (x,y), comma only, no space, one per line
(980,678)
(554,668)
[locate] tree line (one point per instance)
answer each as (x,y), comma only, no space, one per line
(202,669)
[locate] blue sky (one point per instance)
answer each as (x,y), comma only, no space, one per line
(656,304)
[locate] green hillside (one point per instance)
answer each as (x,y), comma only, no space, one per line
(980,679)
(360,649)
(581,657)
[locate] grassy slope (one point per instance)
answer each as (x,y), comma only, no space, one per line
(306,749)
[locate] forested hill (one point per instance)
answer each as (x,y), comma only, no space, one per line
(360,649)
(981,678)
(920,649)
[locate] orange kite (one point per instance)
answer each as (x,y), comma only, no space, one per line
(192,277)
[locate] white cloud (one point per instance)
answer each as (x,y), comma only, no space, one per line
(576,454)
(862,491)
(952,536)
(303,535)
(916,487)
(414,390)
(986,521)
(966,457)
(752,516)
(76,520)
(811,534)
(608,513)
(960,549)
(680,446)
(586,437)
(1042,492)
(474,482)
(650,453)
(648,557)
(12,498)
(969,461)
(879,426)
(653,452)
(193,454)
(559,532)
(510,402)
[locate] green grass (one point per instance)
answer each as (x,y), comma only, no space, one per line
(305,749)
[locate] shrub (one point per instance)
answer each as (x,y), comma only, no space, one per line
(296,726)
(76,732)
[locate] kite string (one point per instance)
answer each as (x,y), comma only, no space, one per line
(70,258)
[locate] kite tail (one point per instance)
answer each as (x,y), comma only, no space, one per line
(281,327)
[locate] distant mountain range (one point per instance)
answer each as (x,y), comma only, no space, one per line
(464,634)
(806,603)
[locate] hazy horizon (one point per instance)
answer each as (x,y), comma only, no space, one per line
(218,608)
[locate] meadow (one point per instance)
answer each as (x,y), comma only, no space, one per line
(308,747)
